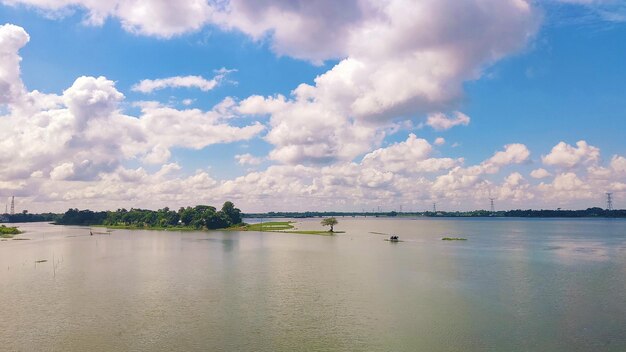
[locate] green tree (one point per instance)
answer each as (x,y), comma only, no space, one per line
(330,222)
(233,214)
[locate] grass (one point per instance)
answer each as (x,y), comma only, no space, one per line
(156,228)
(272,226)
(454,239)
(279,226)
(266,226)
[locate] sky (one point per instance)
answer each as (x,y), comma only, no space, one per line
(296,105)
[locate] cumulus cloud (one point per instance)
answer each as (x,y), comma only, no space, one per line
(12,39)
(567,156)
(159,18)
(440,141)
(540,173)
(410,156)
(441,122)
(512,154)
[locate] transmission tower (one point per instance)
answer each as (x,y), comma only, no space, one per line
(434,207)
(493,208)
(609,201)
(13,205)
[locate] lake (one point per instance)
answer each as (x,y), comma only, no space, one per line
(514,285)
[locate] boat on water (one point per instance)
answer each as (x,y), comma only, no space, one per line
(394,238)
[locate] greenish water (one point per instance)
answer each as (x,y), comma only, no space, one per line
(514,285)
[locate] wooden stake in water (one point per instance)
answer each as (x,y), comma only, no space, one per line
(54,268)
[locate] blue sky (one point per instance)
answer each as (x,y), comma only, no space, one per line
(559,77)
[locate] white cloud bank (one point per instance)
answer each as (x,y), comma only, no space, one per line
(397,58)
(81,134)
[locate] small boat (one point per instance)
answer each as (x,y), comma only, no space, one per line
(394,238)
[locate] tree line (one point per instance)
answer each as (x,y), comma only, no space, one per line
(198,217)
(523,213)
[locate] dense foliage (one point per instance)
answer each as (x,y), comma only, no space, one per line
(27,217)
(198,217)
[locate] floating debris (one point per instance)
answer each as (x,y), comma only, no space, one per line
(41,261)
(454,239)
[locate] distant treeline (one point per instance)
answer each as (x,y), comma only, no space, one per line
(198,217)
(204,216)
(27,217)
(519,213)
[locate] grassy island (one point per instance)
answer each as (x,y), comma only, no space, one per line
(454,239)
(279,226)
(8,232)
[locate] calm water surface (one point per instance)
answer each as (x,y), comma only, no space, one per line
(515,285)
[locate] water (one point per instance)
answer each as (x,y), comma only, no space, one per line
(515,285)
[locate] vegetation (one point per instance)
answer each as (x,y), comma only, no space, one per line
(266,226)
(198,217)
(454,239)
(330,222)
(8,232)
(277,226)
(27,217)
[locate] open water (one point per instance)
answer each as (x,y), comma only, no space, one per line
(514,285)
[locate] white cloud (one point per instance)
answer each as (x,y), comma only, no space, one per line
(440,141)
(159,18)
(410,156)
(540,173)
(150,85)
(566,156)
(12,39)
(515,189)
(248,159)
(441,122)
(618,164)
(63,171)
(514,153)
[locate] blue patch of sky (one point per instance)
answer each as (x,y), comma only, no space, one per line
(569,86)
(62,49)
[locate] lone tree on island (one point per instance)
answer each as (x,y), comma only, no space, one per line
(330,222)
